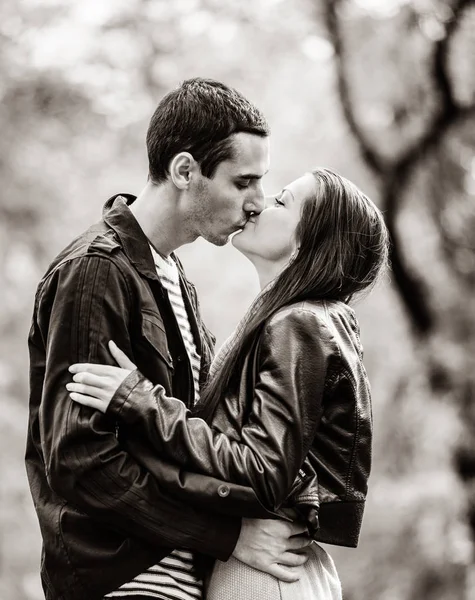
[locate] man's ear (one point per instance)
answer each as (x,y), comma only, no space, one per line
(181,168)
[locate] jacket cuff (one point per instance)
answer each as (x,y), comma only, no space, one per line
(340,523)
(220,541)
(121,401)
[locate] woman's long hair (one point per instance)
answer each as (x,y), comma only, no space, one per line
(342,248)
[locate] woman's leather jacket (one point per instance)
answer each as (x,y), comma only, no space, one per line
(296,435)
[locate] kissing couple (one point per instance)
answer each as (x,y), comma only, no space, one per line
(161,470)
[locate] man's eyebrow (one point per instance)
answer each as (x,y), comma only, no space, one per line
(251,175)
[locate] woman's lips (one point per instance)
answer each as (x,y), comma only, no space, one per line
(244,225)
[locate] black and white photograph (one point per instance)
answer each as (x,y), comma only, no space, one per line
(237,307)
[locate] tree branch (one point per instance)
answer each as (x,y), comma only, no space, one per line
(449,111)
(456,240)
(412,289)
(369,154)
(395,177)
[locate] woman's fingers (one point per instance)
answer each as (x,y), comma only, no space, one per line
(91,368)
(104,370)
(89,390)
(97,381)
(88,401)
(120,357)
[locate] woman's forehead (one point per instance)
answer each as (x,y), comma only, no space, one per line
(303,187)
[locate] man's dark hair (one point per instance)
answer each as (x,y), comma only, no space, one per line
(199,117)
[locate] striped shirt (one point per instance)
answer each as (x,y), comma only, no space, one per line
(173,578)
(167,272)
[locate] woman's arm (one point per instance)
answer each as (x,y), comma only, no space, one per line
(294,353)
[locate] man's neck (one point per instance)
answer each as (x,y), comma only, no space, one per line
(156,210)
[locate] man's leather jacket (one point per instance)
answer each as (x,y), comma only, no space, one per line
(297,434)
(104,518)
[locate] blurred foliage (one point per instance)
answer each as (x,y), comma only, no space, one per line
(356,85)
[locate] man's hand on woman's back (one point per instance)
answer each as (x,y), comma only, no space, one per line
(273,546)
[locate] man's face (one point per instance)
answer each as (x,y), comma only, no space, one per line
(221,205)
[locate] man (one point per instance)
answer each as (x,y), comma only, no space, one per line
(109,523)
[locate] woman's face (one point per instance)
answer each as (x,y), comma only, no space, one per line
(271,234)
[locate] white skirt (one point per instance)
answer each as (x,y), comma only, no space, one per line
(233,580)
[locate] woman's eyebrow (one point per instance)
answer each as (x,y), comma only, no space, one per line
(287,190)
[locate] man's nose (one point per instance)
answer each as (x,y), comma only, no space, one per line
(257,202)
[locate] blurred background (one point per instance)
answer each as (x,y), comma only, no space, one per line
(381,90)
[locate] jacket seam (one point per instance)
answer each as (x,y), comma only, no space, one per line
(357,429)
(57,267)
(340,502)
(41,289)
(343,370)
(334,375)
(66,553)
(73,427)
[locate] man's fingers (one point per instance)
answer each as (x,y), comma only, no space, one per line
(297,528)
(87,401)
(299,542)
(287,574)
(291,559)
(120,357)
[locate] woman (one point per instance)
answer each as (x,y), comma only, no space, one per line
(287,408)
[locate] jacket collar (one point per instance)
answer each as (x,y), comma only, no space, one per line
(135,244)
(117,215)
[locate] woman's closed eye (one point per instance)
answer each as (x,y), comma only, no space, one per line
(278,199)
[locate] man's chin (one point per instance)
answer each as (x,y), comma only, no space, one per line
(223,239)
(216,240)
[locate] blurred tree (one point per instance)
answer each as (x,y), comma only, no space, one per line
(415,129)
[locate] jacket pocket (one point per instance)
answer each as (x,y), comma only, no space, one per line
(153,330)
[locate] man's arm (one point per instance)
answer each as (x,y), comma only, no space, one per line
(81,306)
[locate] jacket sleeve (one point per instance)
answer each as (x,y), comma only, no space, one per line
(82,305)
(294,354)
